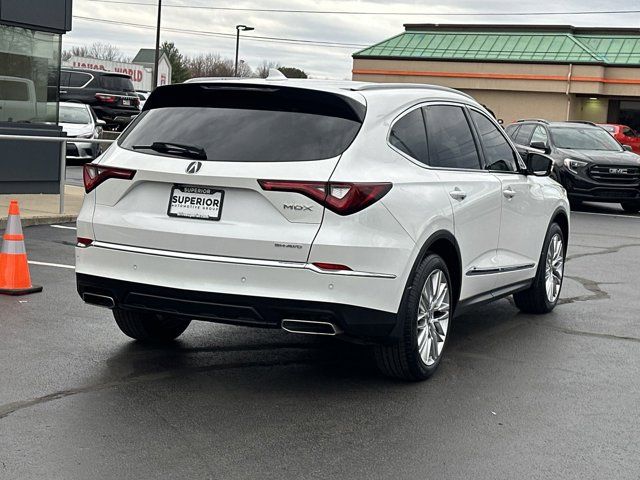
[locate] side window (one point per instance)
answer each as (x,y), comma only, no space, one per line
(511,130)
(64,79)
(498,153)
(451,143)
(540,135)
(78,79)
(408,135)
(523,135)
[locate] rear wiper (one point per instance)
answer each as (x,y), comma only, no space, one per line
(191,151)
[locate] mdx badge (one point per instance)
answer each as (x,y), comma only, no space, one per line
(194,167)
(297,208)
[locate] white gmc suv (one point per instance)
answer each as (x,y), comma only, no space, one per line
(368,211)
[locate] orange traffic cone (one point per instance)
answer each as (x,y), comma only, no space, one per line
(14,269)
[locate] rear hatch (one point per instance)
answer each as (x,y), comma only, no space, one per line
(122,88)
(197,189)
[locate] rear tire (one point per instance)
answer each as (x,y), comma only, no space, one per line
(425,319)
(631,207)
(149,327)
(539,298)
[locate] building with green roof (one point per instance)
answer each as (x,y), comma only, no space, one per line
(548,71)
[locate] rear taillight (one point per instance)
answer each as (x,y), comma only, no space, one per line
(339,197)
(93,175)
(103,97)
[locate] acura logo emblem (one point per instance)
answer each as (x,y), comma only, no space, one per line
(194,167)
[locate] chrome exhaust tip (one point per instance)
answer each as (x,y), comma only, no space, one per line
(309,327)
(99,300)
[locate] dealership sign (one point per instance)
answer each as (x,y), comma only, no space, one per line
(141,77)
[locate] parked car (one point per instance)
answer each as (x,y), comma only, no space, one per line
(623,134)
(111,95)
(79,122)
(588,161)
(17,99)
(370,211)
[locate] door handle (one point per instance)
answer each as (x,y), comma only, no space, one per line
(509,192)
(63,91)
(458,194)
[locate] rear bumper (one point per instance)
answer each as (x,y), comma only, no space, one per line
(356,322)
(239,292)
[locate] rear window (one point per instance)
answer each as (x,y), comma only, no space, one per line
(14,91)
(248,124)
(116,83)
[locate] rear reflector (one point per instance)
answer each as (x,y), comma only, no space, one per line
(330,266)
(339,197)
(93,175)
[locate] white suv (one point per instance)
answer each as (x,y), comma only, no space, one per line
(367,211)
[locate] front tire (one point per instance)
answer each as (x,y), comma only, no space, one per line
(544,293)
(425,318)
(631,207)
(149,327)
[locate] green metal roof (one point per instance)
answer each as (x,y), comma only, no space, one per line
(545,46)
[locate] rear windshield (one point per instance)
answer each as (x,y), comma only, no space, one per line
(250,124)
(587,138)
(116,83)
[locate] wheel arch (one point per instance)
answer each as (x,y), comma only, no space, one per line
(444,244)
(561,217)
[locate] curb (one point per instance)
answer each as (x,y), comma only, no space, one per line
(42,220)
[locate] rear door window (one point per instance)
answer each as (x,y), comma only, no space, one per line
(451,143)
(524,134)
(409,136)
(248,124)
(77,79)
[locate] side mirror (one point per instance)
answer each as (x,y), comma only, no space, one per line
(628,148)
(101,123)
(541,146)
(538,164)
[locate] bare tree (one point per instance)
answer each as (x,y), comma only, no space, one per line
(214,65)
(98,50)
(263,69)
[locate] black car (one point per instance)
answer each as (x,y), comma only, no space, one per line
(589,163)
(110,94)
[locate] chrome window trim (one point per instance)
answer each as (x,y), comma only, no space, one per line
(236,260)
(418,162)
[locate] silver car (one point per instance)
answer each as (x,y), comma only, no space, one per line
(79,122)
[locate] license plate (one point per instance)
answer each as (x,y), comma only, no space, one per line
(187,201)
(126,102)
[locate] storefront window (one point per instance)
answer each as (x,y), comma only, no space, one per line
(29,75)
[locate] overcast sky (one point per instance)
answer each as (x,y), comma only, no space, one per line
(318,61)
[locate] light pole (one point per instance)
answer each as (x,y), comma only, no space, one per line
(244,28)
(157,57)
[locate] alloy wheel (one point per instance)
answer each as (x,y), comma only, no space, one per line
(554,268)
(433,317)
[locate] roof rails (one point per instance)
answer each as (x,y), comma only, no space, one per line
(541,120)
(585,122)
(407,86)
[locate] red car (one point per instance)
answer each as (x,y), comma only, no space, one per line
(625,135)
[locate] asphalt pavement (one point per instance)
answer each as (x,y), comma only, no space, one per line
(516,397)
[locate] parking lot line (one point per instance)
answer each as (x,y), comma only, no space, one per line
(63,226)
(47,264)
(607,215)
